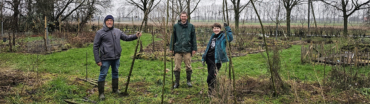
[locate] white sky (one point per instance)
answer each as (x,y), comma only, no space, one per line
(118,3)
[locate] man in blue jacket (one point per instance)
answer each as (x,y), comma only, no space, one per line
(215,53)
(107,51)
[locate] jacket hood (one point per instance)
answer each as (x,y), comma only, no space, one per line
(105,28)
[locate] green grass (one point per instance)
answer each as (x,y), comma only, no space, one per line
(147,75)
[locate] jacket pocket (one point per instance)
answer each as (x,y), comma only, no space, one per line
(102,52)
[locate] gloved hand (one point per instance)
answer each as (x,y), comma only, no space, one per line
(203,63)
(225,24)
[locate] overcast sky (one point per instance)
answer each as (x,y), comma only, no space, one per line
(118,3)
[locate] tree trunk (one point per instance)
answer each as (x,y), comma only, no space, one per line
(288,12)
(345,29)
(227,13)
(146,23)
(188,6)
(90,13)
(313,14)
(223,10)
(237,18)
(10,43)
(15,19)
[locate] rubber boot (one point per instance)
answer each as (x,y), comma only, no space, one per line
(211,87)
(115,86)
(177,79)
(188,77)
(101,90)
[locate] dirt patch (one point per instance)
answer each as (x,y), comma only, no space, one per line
(298,42)
(12,78)
(140,87)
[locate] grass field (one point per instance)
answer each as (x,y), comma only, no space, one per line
(146,80)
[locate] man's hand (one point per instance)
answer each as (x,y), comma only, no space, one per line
(138,34)
(193,52)
(171,52)
(99,64)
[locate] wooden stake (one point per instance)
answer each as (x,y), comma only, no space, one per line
(267,51)
(133,59)
(86,65)
(46,38)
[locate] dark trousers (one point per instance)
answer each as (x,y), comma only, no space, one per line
(211,65)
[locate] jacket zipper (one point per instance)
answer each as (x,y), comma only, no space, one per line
(114,45)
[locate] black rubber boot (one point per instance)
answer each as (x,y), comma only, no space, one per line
(188,77)
(211,88)
(177,77)
(101,90)
(115,86)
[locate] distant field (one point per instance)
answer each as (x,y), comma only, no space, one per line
(254,24)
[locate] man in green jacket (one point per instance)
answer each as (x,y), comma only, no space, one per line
(183,45)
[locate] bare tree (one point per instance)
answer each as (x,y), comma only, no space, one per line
(182,5)
(347,7)
(190,11)
(289,5)
(14,6)
(145,6)
(63,9)
(238,8)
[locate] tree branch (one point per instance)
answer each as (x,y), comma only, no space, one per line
(358,7)
(132,2)
(196,6)
(65,17)
(331,5)
(65,7)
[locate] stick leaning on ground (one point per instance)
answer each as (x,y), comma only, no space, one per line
(133,59)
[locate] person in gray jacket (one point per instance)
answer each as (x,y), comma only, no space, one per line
(107,51)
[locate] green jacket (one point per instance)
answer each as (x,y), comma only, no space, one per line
(183,38)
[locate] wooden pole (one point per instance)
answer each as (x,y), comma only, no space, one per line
(133,59)
(78,25)
(86,65)
(267,51)
(165,50)
(46,37)
(60,25)
(313,14)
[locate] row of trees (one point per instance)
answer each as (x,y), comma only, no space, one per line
(238,10)
(32,12)
(29,15)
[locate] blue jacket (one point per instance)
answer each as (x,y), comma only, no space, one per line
(220,46)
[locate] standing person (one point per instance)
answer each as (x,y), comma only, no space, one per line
(215,53)
(183,45)
(107,51)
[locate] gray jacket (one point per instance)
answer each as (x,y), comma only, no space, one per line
(107,43)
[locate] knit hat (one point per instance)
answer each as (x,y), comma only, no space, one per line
(108,17)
